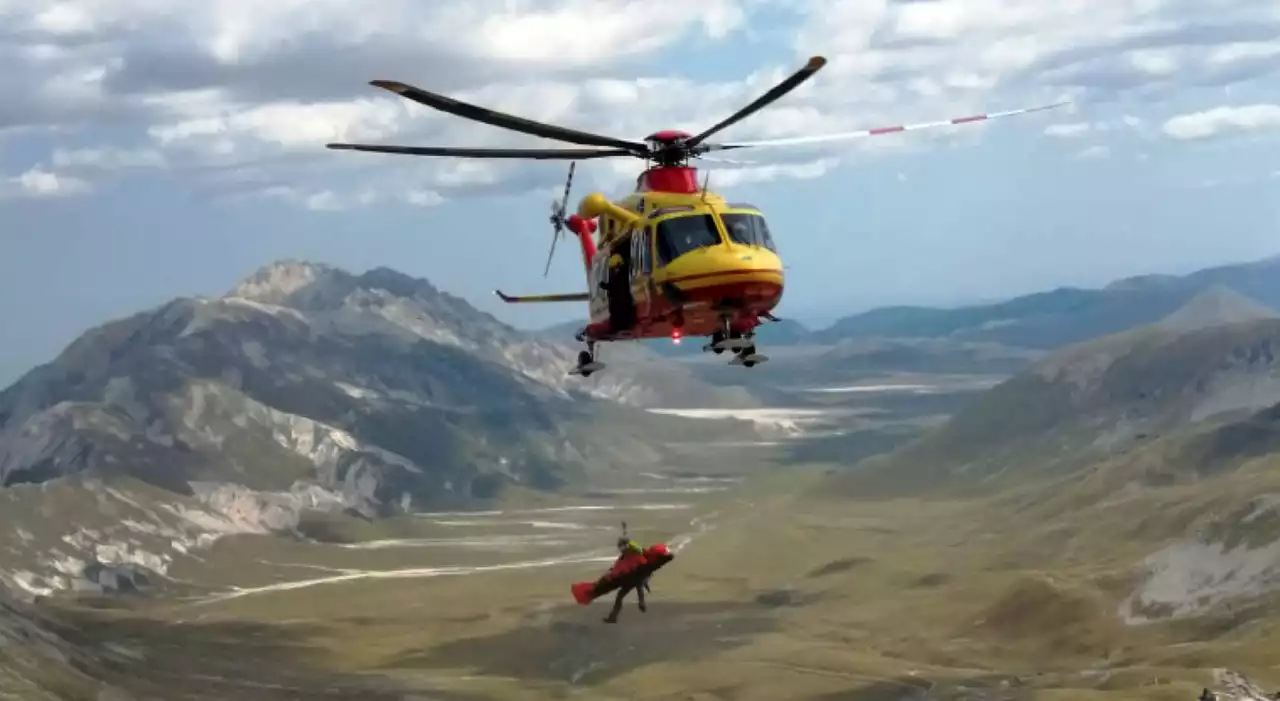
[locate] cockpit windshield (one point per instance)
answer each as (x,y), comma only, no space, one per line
(680,235)
(748,229)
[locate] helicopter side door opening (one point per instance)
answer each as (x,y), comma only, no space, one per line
(642,271)
(622,306)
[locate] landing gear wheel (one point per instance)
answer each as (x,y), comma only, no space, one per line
(721,337)
(748,357)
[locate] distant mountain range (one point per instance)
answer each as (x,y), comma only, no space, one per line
(1043,320)
(1203,368)
(1154,451)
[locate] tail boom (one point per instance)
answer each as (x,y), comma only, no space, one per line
(583,229)
(524,299)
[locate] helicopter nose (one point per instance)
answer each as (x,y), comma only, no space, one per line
(733,276)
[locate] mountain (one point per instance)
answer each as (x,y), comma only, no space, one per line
(1140,471)
(366,379)
(304,388)
(1215,306)
(1101,397)
(415,307)
(1065,315)
(39,663)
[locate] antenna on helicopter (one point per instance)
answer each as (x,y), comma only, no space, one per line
(558,219)
(706,180)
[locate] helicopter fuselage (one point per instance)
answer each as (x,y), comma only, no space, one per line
(694,263)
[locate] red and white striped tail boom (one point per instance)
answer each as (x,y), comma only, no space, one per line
(822,138)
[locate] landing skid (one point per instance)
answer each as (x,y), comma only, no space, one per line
(749,360)
(742,345)
(588,368)
(587,362)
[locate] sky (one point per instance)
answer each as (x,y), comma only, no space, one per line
(150,150)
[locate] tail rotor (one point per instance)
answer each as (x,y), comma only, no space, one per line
(559,218)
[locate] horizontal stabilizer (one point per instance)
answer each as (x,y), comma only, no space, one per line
(571,297)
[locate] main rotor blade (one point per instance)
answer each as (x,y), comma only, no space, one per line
(791,83)
(727,161)
(541,154)
(822,138)
(500,119)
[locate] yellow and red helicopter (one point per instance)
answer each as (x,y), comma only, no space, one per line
(671,259)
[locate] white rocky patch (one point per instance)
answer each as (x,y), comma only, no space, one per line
(1237,687)
(320,443)
(208,312)
(360,392)
(407,315)
(789,422)
(1189,578)
(31,583)
(1250,391)
(263,308)
(278,280)
(130,529)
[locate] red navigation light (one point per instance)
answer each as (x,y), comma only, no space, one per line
(675,335)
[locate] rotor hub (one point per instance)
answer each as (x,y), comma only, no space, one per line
(668,148)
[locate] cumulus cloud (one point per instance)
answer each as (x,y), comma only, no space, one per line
(238,97)
(1224,120)
(41,183)
(1126,124)
(1068,131)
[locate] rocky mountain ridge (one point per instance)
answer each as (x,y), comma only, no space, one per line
(1150,454)
(305,388)
(1217,359)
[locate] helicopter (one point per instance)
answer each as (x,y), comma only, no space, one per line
(671,259)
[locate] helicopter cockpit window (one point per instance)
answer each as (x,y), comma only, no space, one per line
(748,230)
(680,235)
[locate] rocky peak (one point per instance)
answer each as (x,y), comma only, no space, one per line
(318,288)
(278,282)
